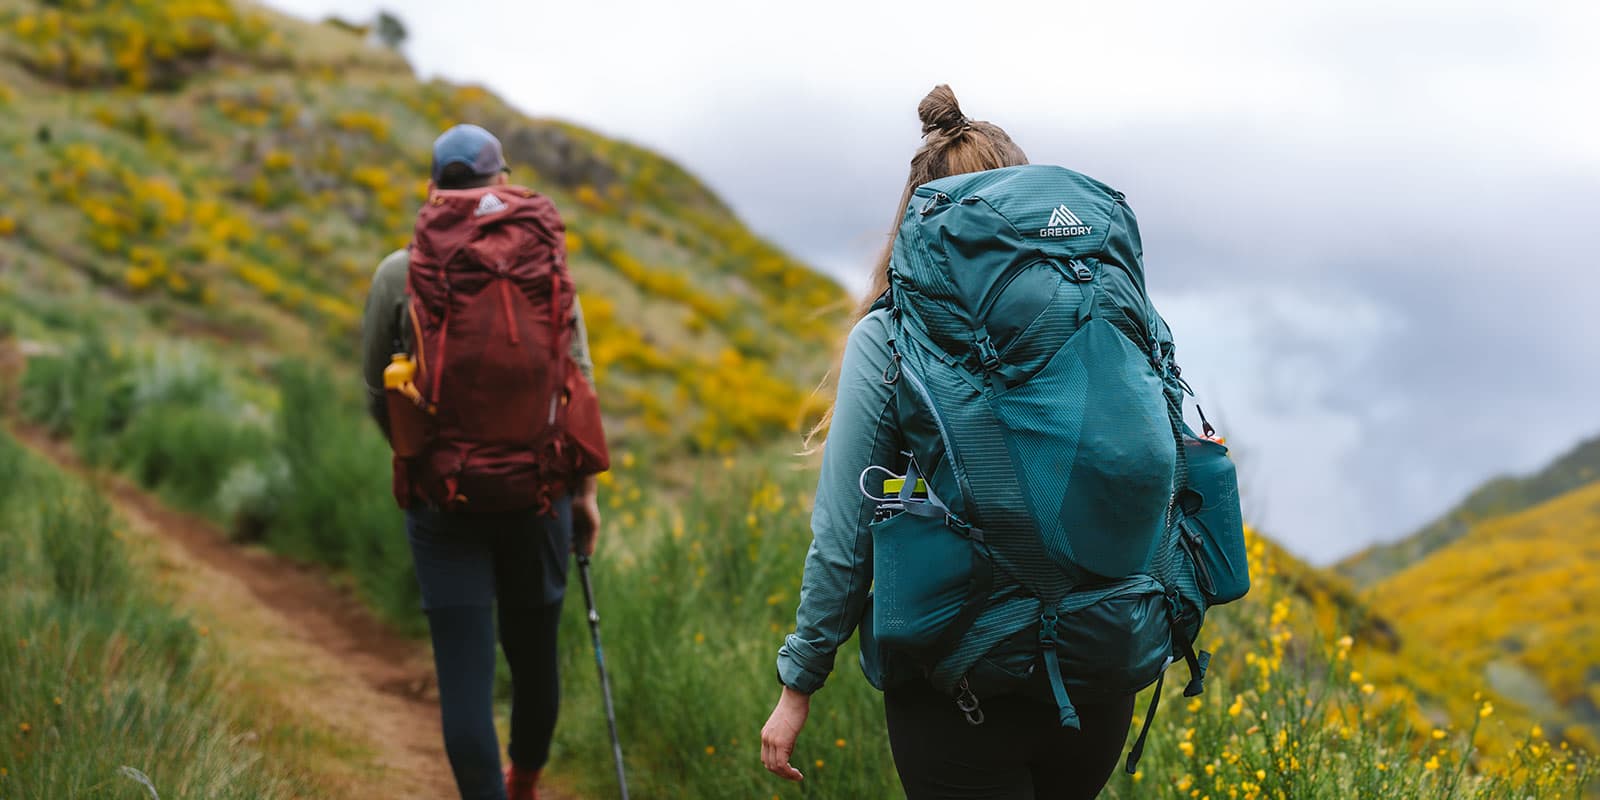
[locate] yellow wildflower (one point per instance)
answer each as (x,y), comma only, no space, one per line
(711,749)
(838,743)
(1433,763)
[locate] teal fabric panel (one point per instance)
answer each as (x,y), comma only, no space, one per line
(1093,429)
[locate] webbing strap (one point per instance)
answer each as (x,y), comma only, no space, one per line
(1047,650)
(1137,751)
(931,507)
(1197,661)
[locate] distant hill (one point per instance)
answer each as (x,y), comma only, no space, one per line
(214,169)
(1503,495)
(1516,600)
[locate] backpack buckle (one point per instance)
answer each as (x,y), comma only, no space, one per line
(987,355)
(1047,630)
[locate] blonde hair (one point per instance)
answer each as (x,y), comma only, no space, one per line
(952,145)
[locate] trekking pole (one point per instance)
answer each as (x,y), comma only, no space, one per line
(605,681)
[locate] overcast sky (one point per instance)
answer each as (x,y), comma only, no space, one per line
(1372,225)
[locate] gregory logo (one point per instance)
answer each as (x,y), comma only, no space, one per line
(489,205)
(1064,223)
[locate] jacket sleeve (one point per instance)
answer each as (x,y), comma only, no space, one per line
(380,330)
(838,569)
(580,342)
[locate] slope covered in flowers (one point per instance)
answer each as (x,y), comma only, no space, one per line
(1516,602)
(1498,497)
(235,173)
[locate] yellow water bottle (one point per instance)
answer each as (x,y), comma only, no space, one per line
(407,419)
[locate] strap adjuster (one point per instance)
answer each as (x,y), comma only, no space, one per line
(1047,630)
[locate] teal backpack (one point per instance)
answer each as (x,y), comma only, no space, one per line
(1059,531)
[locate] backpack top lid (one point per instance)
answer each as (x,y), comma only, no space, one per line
(453,217)
(963,236)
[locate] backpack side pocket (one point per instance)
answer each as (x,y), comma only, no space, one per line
(921,573)
(1213,523)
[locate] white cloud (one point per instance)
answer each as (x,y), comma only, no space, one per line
(1268,363)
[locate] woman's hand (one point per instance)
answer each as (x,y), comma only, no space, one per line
(780,732)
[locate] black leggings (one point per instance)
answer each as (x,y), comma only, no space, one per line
(1020,752)
(475,569)
(463,653)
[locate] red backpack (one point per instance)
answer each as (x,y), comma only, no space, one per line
(512,421)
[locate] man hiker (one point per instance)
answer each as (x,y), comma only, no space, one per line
(478,371)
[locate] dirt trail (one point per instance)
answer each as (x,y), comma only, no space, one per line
(306,646)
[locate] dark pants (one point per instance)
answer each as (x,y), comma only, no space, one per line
(1020,752)
(473,568)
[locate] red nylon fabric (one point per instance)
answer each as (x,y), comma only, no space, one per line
(516,421)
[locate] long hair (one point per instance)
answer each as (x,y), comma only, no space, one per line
(952,145)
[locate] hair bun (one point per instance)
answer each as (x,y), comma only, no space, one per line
(939,111)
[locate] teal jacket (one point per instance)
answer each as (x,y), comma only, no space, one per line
(838,572)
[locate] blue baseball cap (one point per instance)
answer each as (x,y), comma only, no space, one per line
(470,145)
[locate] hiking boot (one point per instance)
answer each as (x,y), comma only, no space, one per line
(522,784)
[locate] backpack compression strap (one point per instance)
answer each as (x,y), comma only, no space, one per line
(1047,644)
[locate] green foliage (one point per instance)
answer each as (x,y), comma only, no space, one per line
(695,594)
(98,678)
(335,504)
(253,202)
(311,482)
(391,31)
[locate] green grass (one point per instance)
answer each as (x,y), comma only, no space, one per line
(696,592)
(99,679)
(698,579)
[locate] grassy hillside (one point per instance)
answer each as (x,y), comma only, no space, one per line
(102,684)
(1516,601)
(205,190)
(1503,495)
(214,169)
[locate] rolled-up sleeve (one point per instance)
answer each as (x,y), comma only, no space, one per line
(838,569)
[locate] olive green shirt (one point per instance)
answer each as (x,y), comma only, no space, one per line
(381,330)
